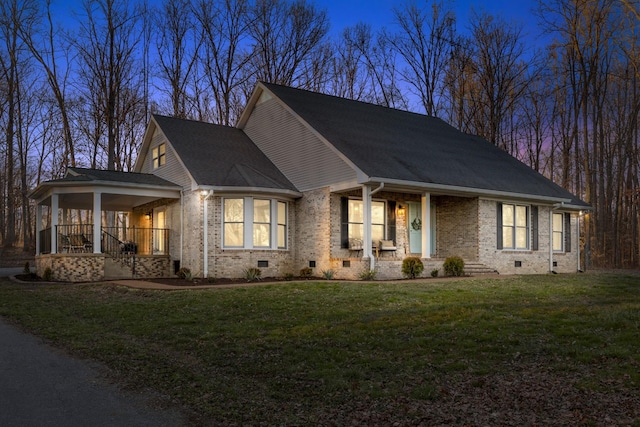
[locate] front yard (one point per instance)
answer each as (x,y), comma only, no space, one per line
(537,350)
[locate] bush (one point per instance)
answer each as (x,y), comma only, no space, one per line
(252,274)
(368,275)
(412,267)
(288,276)
(27,268)
(306,272)
(184,273)
(47,275)
(328,274)
(435,272)
(453,266)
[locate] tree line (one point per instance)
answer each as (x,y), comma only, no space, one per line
(78,91)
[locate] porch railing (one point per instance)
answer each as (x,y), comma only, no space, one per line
(119,242)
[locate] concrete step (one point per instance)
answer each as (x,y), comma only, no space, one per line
(476,268)
(116,269)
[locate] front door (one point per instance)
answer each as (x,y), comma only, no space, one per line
(159,237)
(414,225)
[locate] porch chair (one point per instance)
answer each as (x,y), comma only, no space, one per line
(387,246)
(355,245)
(78,243)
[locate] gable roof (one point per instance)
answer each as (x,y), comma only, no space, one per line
(221,156)
(75,174)
(391,145)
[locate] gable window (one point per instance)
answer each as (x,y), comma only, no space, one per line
(159,155)
(252,222)
(558,232)
(515,226)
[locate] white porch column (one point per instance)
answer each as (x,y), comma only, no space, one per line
(366,225)
(38,227)
(54,223)
(426,225)
(97,222)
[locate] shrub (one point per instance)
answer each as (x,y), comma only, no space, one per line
(368,275)
(252,274)
(453,266)
(412,267)
(184,273)
(306,272)
(434,272)
(288,276)
(27,268)
(47,275)
(328,274)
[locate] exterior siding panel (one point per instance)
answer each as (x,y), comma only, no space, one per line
(172,170)
(303,158)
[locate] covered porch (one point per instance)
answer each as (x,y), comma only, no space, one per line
(88,226)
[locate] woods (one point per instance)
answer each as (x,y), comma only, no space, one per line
(78,90)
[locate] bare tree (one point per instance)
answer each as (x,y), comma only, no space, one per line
(223,58)
(284,35)
(425,43)
(107,47)
(177,45)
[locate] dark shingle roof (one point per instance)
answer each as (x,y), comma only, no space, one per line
(399,145)
(221,155)
(90,175)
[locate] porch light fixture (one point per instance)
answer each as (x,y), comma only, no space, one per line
(401,210)
(147,216)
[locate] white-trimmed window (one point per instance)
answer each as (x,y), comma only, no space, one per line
(558,232)
(251,223)
(356,220)
(159,155)
(515,227)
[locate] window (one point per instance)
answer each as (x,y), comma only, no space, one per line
(282,225)
(233,223)
(356,220)
(159,155)
(558,232)
(515,227)
(252,223)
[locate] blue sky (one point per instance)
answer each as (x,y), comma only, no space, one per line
(344,13)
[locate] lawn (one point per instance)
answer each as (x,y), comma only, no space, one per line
(545,350)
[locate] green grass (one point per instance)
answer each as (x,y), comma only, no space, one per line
(292,352)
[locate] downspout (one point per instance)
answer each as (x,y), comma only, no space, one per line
(205,237)
(555,207)
(181,224)
(578,240)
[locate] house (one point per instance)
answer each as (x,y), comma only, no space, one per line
(307,180)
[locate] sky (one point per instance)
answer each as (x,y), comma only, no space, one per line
(378,13)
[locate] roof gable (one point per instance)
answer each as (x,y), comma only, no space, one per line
(397,145)
(221,156)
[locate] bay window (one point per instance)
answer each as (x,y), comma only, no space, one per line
(252,222)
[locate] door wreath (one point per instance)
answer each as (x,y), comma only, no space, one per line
(416,224)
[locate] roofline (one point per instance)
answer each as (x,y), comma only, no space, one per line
(453,189)
(46,188)
(261,190)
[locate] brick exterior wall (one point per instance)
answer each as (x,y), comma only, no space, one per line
(457,227)
(532,262)
(72,267)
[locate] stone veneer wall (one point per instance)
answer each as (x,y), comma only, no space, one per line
(532,262)
(152,266)
(72,267)
(457,227)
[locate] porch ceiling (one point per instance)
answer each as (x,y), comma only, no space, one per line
(110,202)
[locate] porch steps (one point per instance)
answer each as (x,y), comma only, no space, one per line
(116,269)
(477,269)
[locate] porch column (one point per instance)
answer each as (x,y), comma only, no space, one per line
(426,225)
(97,223)
(366,225)
(38,226)
(54,223)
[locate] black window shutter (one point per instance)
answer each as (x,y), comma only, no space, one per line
(391,221)
(499,224)
(534,228)
(567,232)
(344,221)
